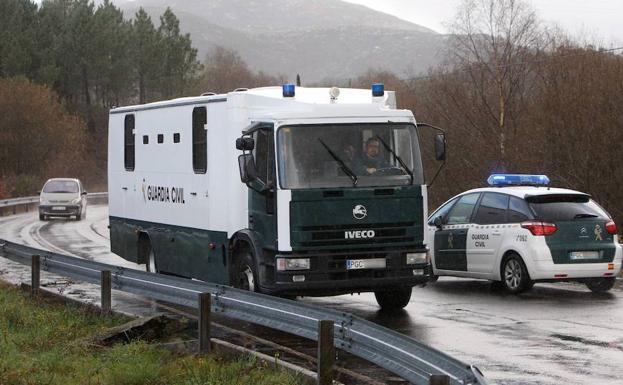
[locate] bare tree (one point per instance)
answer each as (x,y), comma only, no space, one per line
(494,43)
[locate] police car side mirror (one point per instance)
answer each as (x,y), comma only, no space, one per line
(440,147)
(245,144)
(248,171)
(438,221)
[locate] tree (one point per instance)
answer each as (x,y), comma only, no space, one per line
(33,122)
(179,58)
(145,53)
(18,23)
(112,66)
(494,43)
(224,71)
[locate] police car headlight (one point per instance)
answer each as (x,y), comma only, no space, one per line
(416,258)
(284,264)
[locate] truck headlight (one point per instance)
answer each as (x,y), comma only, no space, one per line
(416,258)
(75,201)
(284,264)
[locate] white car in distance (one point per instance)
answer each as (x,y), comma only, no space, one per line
(519,231)
(62,197)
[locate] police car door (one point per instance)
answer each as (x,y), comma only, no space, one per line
(450,240)
(486,235)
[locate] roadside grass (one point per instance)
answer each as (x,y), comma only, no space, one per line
(42,342)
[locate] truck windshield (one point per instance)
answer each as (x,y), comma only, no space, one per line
(347,155)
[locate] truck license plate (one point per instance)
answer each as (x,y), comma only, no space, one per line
(375,263)
(58,208)
(575,255)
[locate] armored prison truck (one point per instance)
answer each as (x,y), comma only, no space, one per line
(332,198)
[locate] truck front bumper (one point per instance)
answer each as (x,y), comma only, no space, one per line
(329,275)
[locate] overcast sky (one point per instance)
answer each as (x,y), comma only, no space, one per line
(597,21)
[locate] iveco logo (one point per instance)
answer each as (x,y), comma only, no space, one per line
(360,212)
(359,234)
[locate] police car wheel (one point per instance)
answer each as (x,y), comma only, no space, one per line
(515,277)
(600,285)
(393,299)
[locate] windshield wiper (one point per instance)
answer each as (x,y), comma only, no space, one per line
(396,157)
(582,215)
(343,165)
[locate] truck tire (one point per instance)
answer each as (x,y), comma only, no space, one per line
(392,300)
(150,264)
(600,285)
(245,273)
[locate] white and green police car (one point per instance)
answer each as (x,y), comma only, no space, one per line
(518,231)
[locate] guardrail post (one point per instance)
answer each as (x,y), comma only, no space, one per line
(106,292)
(326,352)
(205,304)
(439,379)
(35,274)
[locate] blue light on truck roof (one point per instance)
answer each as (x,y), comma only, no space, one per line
(517,180)
(378,89)
(288,90)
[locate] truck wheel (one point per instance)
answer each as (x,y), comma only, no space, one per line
(42,217)
(515,278)
(245,274)
(600,285)
(393,300)
(150,264)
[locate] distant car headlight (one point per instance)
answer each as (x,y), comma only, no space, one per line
(416,258)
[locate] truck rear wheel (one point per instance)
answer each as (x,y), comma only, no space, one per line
(392,300)
(600,285)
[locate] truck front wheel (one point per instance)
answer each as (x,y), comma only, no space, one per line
(245,274)
(392,300)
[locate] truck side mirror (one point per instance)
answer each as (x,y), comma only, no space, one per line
(246,164)
(440,147)
(245,144)
(438,221)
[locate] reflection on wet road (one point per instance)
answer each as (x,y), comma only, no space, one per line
(554,334)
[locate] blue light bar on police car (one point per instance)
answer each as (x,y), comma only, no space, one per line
(517,180)
(378,89)
(288,90)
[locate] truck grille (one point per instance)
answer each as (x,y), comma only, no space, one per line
(336,235)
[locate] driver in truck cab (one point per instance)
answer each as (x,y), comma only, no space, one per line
(372,159)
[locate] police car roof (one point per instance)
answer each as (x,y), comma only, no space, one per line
(526,191)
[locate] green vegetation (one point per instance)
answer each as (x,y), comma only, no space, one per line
(42,343)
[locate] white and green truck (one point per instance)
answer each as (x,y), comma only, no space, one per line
(283,190)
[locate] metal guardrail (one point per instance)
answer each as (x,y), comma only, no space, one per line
(393,351)
(34,200)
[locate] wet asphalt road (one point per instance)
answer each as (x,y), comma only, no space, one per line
(554,334)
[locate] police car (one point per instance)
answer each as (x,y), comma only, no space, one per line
(518,231)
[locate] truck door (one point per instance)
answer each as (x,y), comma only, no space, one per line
(263,205)
(451,239)
(485,237)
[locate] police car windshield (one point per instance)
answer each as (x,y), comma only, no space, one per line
(337,155)
(554,208)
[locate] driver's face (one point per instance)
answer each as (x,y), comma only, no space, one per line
(372,149)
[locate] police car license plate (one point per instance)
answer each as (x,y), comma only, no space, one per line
(574,255)
(375,263)
(58,207)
